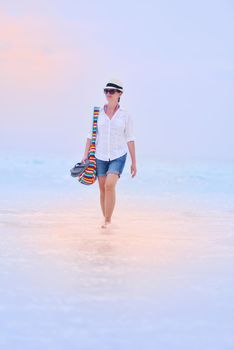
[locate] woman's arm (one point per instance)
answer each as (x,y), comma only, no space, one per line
(86,152)
(131,147)
(130,139)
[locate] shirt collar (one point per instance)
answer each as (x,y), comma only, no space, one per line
(102,108)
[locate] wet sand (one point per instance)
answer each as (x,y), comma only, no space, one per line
(158,279)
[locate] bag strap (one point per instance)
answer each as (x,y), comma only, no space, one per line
(92,148)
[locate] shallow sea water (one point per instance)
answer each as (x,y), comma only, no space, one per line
(160,278)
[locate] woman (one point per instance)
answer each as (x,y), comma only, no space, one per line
(113,139)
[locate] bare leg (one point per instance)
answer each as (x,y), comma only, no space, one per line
(101,181)
(110,197)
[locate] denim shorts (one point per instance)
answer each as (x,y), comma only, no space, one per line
(115,166)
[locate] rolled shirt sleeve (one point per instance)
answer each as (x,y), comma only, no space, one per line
(129,129)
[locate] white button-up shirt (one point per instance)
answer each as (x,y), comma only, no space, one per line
(112,134)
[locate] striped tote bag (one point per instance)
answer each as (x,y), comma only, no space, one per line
(88,176)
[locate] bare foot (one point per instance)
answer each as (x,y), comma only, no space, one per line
(106,224)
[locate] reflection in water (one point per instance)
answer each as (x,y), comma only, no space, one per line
(157,279)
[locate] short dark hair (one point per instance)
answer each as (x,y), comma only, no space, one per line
(119,96)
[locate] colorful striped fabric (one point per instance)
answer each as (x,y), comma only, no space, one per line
(88,176)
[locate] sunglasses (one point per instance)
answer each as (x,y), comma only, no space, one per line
(111,91)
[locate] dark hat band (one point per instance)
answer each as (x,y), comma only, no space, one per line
(114,86)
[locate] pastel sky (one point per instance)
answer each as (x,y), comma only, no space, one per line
(175,58)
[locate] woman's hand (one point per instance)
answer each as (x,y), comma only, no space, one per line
(133,169)
(84,159)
